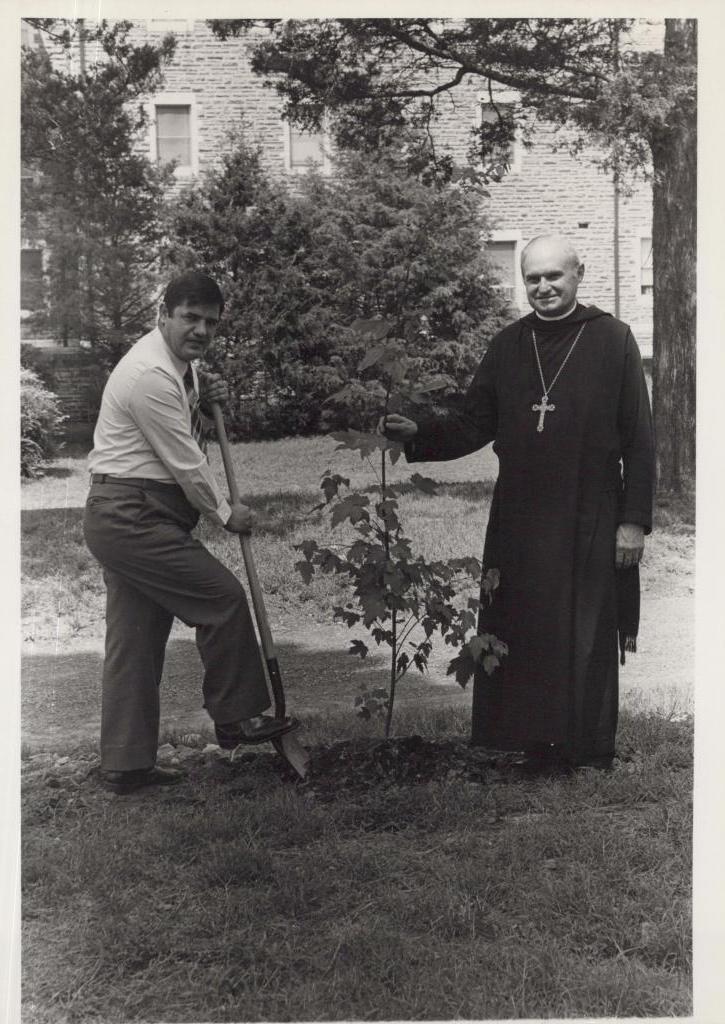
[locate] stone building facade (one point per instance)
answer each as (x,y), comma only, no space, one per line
(209,92)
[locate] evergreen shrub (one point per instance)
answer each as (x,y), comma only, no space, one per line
(40,422)
(299,267)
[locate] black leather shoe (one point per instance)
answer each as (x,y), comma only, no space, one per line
(260,729)
(123,783)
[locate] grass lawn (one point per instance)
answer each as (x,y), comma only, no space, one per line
(469,893)
(414,880)
(63,594)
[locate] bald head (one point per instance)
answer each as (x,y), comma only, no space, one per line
(552,271)
(550,247)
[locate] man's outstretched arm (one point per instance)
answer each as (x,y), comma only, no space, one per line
(450,434)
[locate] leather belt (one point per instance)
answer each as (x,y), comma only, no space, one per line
(134,481)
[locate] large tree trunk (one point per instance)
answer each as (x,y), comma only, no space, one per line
(674,237)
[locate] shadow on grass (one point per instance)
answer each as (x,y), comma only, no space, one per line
(61,693)
(466,490)
(50,519)
(278,512)
(58,472)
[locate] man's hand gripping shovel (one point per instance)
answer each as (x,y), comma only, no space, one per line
(287,745)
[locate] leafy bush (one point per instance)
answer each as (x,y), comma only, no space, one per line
(399,596)
(299,269)
(92,196)
(40,421)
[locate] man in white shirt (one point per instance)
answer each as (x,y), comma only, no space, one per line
(150,482)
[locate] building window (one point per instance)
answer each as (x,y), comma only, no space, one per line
(31,279)
(173,132)
(304,150)
(27,180)
(173,135)
(29,35)
(646,278)
(503,256)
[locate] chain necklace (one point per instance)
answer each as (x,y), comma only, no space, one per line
(543,407)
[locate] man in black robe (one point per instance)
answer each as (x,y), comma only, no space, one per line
(562,395)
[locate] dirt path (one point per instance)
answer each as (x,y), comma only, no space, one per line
(61,687)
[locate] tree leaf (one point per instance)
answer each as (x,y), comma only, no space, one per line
(306,570)
(478,646)
(372,330)
(396,369)
(374,608)
(354,440)
(359,648)
(436,383)
(425,484)
(331,483)
(307,547)
(491,582)
(352,508)
(371,357)
(343,396)
(329,562)
(462,667)
(349,617)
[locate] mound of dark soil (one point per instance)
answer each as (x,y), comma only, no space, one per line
(363,764)
(341,768)
(404,761)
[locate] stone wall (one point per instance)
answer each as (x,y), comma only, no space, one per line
(228,96)
(545,190)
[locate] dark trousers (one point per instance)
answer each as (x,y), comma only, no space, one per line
(155,570)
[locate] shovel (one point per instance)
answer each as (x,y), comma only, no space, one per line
(287,745)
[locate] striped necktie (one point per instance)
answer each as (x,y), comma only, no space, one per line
(197,423)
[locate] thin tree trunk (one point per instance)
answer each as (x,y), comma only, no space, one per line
(393,672)
(674,234)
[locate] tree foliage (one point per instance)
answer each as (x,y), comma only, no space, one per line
(41,420)
(401,598)
(91,196)
(373,79)
(369,78)
(372,240)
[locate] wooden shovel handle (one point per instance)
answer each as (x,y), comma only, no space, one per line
(288,746)
(255,589)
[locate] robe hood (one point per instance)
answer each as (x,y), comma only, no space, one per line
(580,314)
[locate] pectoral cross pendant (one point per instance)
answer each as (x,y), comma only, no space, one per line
(542,410)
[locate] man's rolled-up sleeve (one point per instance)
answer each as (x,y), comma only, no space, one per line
(157,406)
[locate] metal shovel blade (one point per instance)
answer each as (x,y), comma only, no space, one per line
(290,748)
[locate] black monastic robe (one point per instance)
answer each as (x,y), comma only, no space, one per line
(559,497)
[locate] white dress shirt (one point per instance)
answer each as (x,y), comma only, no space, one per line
(144,426)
